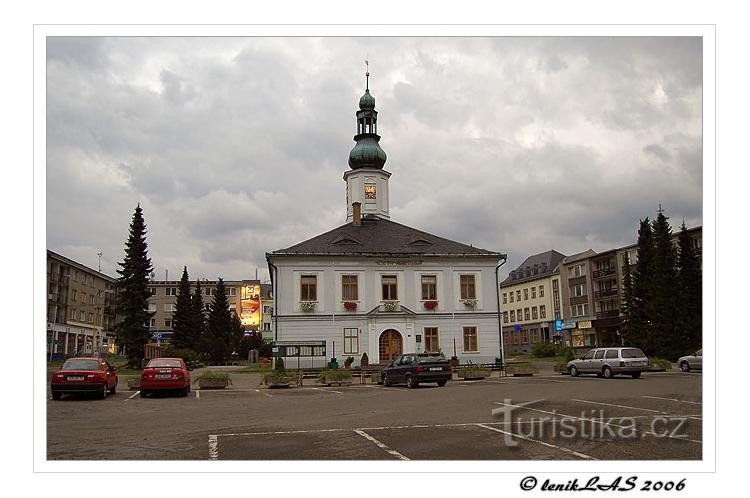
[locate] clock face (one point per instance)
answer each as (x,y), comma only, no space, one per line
(369,191)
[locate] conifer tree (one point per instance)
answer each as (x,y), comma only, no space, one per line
(182,317)
(133,292)
(690,294)
(218,336)
(238,332)
(665,292)
(198,319)
(640,327)
(627,301)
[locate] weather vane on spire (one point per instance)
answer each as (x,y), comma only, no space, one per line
(367,74)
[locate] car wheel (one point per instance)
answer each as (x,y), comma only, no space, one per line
(56,396)
(143,393)
(114,389)
(185,391)
(573,371)
(636,375)
(441,383)
(385,380)
(685,366)
(410,382)
(103,392)
(607,373)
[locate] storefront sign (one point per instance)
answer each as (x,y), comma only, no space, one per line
(585,324)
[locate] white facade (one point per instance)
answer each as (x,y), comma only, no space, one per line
(329,318)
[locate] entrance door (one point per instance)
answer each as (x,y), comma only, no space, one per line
(391,345)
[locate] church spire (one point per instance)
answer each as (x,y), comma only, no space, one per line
(367,152)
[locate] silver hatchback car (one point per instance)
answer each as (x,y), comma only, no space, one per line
(608,362)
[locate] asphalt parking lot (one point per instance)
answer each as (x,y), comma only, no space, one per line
(658,416)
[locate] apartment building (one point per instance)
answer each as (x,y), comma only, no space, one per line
(81,314)
(530,302)
(577,301)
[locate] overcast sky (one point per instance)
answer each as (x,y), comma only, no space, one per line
(237,146)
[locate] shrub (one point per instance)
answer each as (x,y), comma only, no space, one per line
(660,363)
(348,362)
(186,354)
(217,376)
(365,361)
(334,375)
(279,365)
(546,350)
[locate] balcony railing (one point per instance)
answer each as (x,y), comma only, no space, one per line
(607,314)
(603,272)
(606,293)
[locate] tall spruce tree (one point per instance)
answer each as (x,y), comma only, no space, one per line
(627,300)
(640,327)
(182,317)
(665,292)
(218,336)
(690,278)
(133,292)
(198,319)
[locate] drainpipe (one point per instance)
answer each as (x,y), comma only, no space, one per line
(504,258)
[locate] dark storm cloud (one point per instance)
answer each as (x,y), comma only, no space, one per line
(237,146)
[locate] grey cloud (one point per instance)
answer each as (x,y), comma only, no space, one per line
(237,146)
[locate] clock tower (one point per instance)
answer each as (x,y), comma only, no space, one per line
(367,181)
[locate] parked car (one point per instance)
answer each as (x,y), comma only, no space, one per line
(84,375)
(165,374)
(413,369)
(608,362)
(691,362)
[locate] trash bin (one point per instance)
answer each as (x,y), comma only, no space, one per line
(333,364)
(499,362)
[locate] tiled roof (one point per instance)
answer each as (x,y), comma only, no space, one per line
(534,267)
(377,236)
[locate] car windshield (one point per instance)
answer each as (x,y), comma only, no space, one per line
(164,363)
(81,365)
(632,353)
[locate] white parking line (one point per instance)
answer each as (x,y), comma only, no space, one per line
(264,394)
(198,394)
(134,395)
(673,399)
(618,406)
(381,445)
(562,448)
(326,390)
(213,447)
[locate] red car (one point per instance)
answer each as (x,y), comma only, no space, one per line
(165,374)
(84,375)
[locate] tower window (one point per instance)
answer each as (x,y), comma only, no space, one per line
(370,192)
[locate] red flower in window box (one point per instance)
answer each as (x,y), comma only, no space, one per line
(350,305)
(430,305)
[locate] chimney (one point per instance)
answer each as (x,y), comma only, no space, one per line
(357,214)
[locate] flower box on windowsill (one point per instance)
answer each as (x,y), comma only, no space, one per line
(350,305)
(307,305)
(469,303)
(430,305)
(390,306)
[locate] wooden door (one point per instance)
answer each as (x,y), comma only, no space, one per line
(391,346)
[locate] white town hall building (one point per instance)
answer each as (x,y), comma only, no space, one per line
(375,286)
